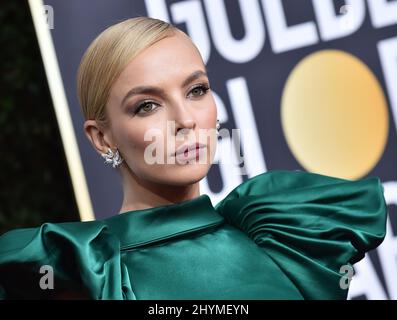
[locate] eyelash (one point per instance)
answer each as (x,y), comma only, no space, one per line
(204,88)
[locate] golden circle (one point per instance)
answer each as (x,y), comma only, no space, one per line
(334,115)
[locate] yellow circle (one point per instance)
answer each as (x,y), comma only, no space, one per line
(334,115)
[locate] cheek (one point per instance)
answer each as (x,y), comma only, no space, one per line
(139,136)
(206,121)
(131,137)
(208,116)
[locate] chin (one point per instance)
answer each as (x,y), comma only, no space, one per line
(185,174)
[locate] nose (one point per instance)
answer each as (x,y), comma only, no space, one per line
(184,126)
(184,120)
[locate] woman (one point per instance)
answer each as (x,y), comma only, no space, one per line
(278,235)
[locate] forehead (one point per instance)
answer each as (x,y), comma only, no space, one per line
(170,58)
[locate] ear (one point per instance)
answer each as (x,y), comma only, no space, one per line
(97,136)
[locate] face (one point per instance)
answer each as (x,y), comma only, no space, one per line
(160,103)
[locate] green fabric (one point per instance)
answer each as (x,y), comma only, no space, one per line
(279,235)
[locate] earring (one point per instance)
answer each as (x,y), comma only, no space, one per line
(217,127)
(112,158)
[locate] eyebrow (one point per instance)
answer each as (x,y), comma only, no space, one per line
(158,91)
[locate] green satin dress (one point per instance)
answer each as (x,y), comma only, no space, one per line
(279,235)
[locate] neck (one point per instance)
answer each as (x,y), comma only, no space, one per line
(142,194)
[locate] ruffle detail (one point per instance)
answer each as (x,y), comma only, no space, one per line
(85,259)
(309,224)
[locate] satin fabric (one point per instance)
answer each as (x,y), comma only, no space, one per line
(279,235)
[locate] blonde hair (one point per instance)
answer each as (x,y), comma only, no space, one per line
(108,55)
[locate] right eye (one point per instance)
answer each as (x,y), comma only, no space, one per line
(146,107)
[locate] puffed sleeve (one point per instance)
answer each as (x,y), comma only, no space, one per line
(310,224)
(84,257)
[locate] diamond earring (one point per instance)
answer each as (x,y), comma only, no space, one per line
(112,158)
(217,127)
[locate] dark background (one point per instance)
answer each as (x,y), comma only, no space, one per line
(35,182)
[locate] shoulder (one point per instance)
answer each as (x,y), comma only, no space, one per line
(75,252)
(282,187)
(21,237)
(310,224)
(286,181)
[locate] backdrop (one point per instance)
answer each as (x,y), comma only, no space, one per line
(311,84)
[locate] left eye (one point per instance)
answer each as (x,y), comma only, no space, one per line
(199,91)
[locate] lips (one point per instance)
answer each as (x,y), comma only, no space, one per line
(185,147)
